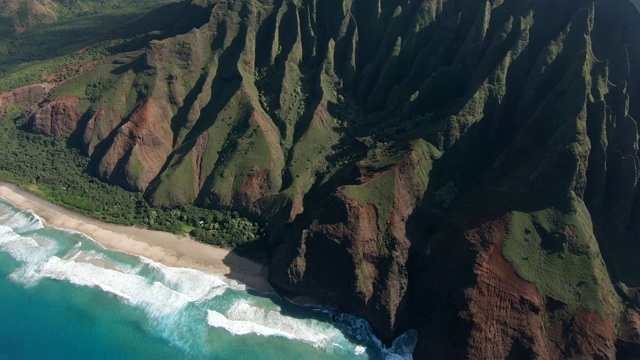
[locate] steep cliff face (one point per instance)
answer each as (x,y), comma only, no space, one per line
(24,97)
(57,117)
(466,168)
(139,147)
(362,228)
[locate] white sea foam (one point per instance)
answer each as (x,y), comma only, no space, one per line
(402,347)
(357,328)
(73,253)
(196,285)
(31,250)
(93,269)
(77,234)
(20,221)
(165,293)
(99,259)
(239,327)
(170,291)
(236,285)
(165,299)
(155,298)
(244,318)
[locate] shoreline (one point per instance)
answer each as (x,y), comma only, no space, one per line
(169,249)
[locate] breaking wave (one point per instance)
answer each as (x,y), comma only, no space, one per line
(243,318)
(180,304)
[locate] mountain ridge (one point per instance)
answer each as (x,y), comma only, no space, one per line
(442,154)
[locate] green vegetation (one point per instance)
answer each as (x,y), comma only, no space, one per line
(57,69)
(379,192)
(80,32)
(71,26)
(96,88)
(23,13)
(440,120)
(48,168)
(554,251)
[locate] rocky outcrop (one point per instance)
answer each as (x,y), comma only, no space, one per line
(424,164)
(362,229)
(139,147)
(628,343)
(57,117)
(25,96)
(504,309)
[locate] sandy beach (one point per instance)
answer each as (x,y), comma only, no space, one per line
(166,248)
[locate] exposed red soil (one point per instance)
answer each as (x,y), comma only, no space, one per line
(25,96)
(503,308)
(509,317)
(57,117)
(590,335)
(202,142)
(146,137)
(254,187)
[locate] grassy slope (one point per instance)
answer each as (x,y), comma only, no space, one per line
(50,169)
(85,31)
(564,246)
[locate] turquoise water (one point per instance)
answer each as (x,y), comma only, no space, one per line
(64,296)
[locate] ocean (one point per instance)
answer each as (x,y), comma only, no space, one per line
(63,296)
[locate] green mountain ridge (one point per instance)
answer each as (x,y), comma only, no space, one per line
(465,168)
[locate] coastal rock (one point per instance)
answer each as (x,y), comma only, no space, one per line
(362,228)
